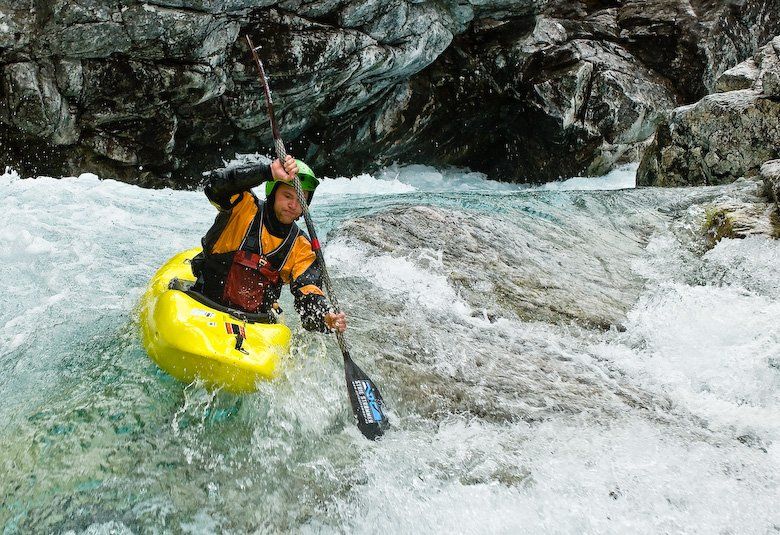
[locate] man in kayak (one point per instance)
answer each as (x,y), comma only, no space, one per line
(254,247)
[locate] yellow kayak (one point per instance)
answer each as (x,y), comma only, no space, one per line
(191,337)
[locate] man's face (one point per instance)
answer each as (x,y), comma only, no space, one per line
(286,206)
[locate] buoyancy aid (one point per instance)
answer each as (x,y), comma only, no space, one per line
(290,254)
(252,274)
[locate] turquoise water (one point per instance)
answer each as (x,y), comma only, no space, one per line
(515,405)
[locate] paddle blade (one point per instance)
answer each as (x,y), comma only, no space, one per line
(366,401)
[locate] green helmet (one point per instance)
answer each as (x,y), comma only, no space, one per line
(308,181)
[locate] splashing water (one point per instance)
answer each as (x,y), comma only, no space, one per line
(554,359)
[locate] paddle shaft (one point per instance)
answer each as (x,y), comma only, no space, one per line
(281,153)
(366,400)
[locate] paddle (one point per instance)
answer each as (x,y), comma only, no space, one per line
(364,396)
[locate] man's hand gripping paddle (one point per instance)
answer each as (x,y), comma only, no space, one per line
(366,400)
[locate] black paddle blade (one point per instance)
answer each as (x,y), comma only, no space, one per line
(366,401)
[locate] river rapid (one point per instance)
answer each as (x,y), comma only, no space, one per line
(564,359)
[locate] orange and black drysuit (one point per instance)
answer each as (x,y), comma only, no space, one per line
(247,225)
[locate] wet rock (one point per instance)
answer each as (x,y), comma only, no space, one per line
(770,174)
(600,101)
(502,87)
(589,81)
(471,305)
(35,105)
(739,211)
(503,270)
(743,76)
(721,138)
(769,59)
(725,135)
(735,219)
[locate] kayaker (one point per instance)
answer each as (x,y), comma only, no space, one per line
(254,247)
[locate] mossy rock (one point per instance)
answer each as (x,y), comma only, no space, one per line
(718,224)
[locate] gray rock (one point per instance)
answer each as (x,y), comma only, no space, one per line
(516,275)
(770,69)
(17,31)
(69,76)
(770,174)
(742,76)
(600,98)
(35,105)
(502,86)
(722,137)
(737,220)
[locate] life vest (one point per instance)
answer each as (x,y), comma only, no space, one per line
(251,273)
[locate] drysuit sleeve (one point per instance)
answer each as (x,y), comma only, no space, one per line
(306,284)
(224,184)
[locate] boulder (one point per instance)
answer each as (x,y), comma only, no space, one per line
(769,58)
(770,174)
(724,136)
(502,268)
(742,76)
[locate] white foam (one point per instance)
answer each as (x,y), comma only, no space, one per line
(9,174)
(627,477)
(751,263)
(397,275)
(622,177)
(430,179)
(394,180)
(12,243)
(245,159)
(86,241)
(706,332)
(399,179)
(364,184)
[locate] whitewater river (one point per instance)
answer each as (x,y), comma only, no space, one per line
(555,360)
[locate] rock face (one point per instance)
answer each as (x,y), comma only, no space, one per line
(724,136)
(154,92)
(770,174)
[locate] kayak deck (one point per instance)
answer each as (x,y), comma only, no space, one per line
(190,340)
